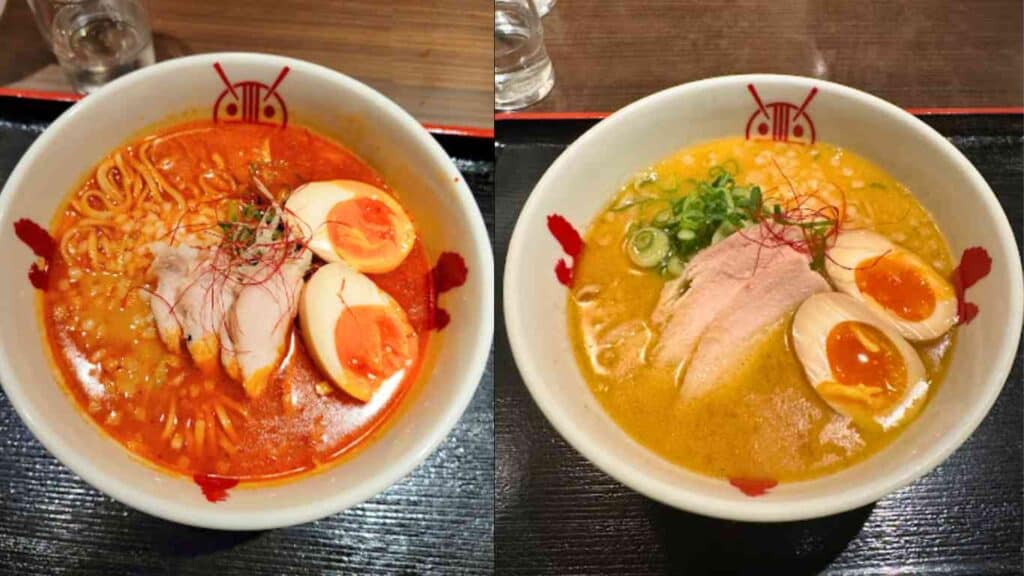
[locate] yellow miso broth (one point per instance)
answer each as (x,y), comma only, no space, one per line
(763,420)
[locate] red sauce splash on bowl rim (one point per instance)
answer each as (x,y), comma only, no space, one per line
(572,245)
(215,488)
(754,487)
(448,273)
(42,244)
(975,264)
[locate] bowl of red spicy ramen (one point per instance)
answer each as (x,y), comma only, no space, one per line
(245,291)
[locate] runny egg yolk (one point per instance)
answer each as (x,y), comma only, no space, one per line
(374,343)
(864,359)
(897,285)
(363,229)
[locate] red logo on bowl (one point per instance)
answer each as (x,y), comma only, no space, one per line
(250,102)
(781,121)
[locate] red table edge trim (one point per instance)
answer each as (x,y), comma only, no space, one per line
(456,130)
(917,111)
(488,133)
(446,129)
(40,94)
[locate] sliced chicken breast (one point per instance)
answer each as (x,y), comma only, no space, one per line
(170,269)
(261,320)
(228,357)
(707,286)
(774,290)
(205,300)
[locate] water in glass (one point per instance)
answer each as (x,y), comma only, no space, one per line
(96,42)
(522,70)
(544,6)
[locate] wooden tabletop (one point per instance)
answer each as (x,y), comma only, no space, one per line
(915,53)
(433,57)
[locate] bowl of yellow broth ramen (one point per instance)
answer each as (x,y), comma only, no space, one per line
(763,297)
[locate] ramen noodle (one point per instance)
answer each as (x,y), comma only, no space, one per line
(181,266)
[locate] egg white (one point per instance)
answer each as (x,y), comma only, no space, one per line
(328,293)
(856,246)
(309,205)
(813,322)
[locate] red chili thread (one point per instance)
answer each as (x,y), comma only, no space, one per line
(789,226)
(215,488)
(753,486)
(975,264)
(228,262)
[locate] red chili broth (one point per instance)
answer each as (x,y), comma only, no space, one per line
(291,428)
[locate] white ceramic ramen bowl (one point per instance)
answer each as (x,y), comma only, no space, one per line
(384,135)
(584,178)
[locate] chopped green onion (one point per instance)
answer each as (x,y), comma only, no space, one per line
(645,178)
(723,231)
(686,235)
(648,246)
(663,217)
(711,210)
(755,201)
(626,205)
(674,266)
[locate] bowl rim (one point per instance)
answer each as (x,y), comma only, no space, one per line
(222,518)
(755,510)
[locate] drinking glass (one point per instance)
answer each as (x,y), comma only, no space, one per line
(522,70)
(95,41)
(544,6)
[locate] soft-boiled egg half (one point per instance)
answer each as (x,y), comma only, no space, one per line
(357,334)
(857,362)
(351,221)
(893,282)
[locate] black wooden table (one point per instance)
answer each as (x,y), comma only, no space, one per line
(438,520)
(557,514)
